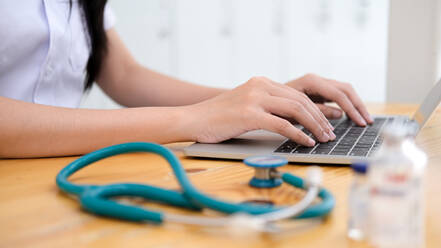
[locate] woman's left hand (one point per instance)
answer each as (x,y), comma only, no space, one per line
(321,90)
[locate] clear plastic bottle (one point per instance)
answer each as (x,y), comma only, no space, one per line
(396,202)
(358,203)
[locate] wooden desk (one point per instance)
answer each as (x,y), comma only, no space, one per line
(33,213)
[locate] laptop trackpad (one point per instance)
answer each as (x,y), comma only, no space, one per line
(261,135)
(251,143)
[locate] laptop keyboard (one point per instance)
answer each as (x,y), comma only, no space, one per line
(351,140)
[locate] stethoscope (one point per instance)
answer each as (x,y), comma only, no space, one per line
(97,199)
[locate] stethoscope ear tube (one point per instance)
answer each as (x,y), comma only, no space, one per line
(317,210)
(97,198)
(91,202)
(97,201)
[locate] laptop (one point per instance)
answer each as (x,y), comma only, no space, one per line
(353,143)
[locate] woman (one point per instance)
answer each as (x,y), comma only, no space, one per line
(51,51)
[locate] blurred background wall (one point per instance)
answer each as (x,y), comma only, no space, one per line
(223,43)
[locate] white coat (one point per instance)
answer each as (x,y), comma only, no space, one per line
(43,51)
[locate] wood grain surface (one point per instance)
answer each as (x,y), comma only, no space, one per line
(34,213)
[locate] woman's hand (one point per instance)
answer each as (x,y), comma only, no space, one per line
(259,104)
(322,90)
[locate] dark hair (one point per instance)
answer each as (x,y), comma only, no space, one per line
(93,11)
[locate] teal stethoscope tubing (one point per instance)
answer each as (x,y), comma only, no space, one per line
(95,198)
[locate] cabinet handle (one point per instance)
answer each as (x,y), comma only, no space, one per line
(226,27)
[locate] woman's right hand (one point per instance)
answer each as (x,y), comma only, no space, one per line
(259,104)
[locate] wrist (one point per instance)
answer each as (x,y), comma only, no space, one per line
(184,121)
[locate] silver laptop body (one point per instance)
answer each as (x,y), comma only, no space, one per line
(353,143)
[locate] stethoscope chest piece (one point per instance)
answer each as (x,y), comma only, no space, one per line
(265,170)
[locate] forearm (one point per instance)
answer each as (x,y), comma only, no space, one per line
(33,130)
(141,86)
(133,85)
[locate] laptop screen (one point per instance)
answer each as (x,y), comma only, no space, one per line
(429,105)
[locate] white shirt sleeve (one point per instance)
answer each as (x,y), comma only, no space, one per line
(109,17)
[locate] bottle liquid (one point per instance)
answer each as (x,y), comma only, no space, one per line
(358,203)
(396,194)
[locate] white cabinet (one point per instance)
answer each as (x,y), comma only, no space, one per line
(204,41)
(258,33)
(223,43)
(148,30)
(341,39)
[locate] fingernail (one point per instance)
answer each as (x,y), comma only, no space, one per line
(325,136)
(332,135)
(330,126)
(363,122)
(336,114)
(370,119)
(311,142)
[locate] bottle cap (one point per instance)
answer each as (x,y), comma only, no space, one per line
(360,167)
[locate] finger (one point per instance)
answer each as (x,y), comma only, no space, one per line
(356,101)
(313,107)
(289,108)
(330,112)
(281,126)
(285,91)
(329,90)
(336,95)
(343,101)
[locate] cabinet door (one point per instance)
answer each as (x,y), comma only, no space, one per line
(258,44)
(147,29)
(341,39)
(204,29)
